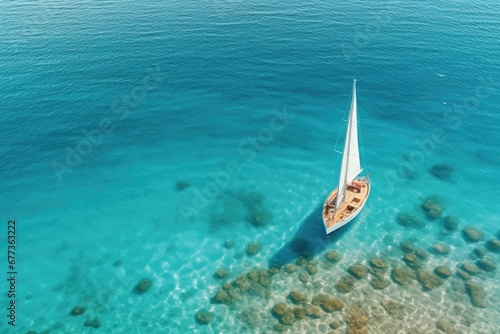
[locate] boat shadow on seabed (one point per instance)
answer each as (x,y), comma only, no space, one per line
(309,240)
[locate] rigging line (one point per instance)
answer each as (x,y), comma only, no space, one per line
(348,139)
(342,125)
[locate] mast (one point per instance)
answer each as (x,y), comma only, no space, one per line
(351,166)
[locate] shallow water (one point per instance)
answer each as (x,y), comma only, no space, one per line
(174,92)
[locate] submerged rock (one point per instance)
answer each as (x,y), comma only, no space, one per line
(332,256)
(288,318)
(445,327)
(378,263)
(265,278)
(358,270)
(229,294)
(253,275)
(402,276)
(274,270)
(407,247)
(345,284)
(357,321)
(380,283)
(219,220)
(328,303)
(334,324)
(234,295)
(429,281)
(242,283)
(318,299)
(486,264)
(378,271)
(443,271)
(476,294)
(412,261)
(440,248)
(253,248)
(432,208)
(143,286)
(229,244)
(290,268)
(280,309)
(297,296)
(181,185)
(451,223)
(222,297)
(470,268)
(221,273)
(251,199)
(299,312)
(280,328)
(397,310)
(463,274)
(408,220)
(441,171)
(332,304)
(493,245)
(301,246)
(473,234)
(421,254)
(265,281)
(262,277)
(302,261)
(94,323)
(479,252)
(313,311)
(409,258)
(284,314)
(311,268)
(304,277)
(204,317)
(77,310)
(259,217)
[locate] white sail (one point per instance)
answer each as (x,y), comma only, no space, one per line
(351,165)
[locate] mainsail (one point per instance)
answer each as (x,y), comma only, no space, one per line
(351,165)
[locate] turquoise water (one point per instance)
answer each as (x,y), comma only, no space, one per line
(107,105)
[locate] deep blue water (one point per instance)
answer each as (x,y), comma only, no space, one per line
(171,91)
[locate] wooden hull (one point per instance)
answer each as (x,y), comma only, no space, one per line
(356,195)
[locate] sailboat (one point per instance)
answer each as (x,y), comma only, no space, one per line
(347,200)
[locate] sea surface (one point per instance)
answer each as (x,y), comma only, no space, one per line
(158,139)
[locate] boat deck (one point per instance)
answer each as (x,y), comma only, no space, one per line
(355,196)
